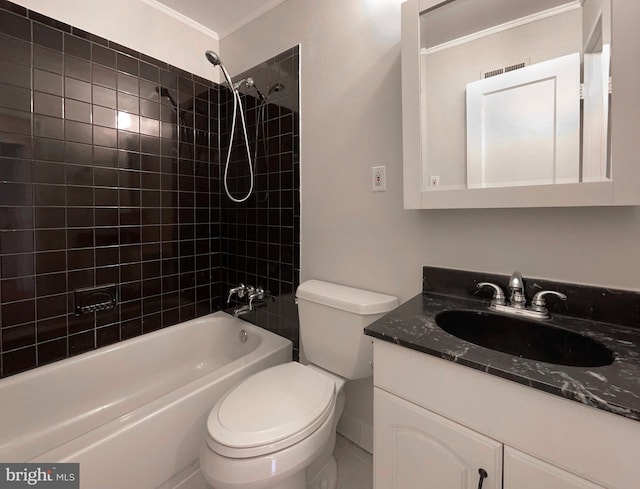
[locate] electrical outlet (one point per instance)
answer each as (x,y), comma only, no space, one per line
(434,181)
(378,178)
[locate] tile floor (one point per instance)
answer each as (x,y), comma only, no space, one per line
(355,469)
(355,465)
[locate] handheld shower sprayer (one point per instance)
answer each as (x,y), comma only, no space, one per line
(215,60)
(213,57)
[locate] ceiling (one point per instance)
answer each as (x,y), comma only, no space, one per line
(221,16)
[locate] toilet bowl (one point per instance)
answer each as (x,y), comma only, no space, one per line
(277,428)
(271,427)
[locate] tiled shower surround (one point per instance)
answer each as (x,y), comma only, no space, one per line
(261,237)
(110,173)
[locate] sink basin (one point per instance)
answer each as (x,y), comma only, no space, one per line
(525,338)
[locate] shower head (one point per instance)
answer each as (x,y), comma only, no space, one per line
(213,58)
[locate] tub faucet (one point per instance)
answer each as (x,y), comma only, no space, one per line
(242,310)
(255,297)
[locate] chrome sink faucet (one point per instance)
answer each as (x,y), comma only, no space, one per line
(516,289)
(517,299)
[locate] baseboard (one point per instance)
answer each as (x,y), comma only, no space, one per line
(357,431)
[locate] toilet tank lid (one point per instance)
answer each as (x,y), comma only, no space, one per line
(346,298)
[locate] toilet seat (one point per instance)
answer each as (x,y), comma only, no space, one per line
(270,411)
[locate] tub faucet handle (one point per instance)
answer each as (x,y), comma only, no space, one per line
(258,293)
(240,290)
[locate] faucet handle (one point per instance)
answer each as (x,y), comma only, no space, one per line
(538,303)
(240,290)
(258,293)
(498,295)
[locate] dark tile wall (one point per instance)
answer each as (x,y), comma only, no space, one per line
(108,174)
(261,237)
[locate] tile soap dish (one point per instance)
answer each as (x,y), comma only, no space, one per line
(94,299)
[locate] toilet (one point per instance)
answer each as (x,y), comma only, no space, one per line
(277,428)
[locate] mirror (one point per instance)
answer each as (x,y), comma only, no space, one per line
(514,93)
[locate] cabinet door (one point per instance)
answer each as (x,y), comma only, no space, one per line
(417,449)
(521,471)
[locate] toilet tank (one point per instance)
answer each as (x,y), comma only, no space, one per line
(332,319)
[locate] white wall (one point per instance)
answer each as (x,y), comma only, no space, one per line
(137,25)
(351,121)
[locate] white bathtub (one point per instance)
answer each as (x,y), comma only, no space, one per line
(133,414)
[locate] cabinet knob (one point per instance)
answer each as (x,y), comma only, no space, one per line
(483,476)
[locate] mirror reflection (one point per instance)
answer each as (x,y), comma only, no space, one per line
(515,93)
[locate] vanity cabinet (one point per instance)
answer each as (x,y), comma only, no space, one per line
(436,423)
(416,449)
(522,471)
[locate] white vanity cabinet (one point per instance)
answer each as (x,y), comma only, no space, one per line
(522,471)
(436,423)
(416,449)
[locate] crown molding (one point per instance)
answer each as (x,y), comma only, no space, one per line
(160,7)
(573,5)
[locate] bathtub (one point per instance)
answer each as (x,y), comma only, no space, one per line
(133,414)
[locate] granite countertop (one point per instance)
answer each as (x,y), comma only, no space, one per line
(613,388)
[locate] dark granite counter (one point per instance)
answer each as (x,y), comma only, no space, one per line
(614,388)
